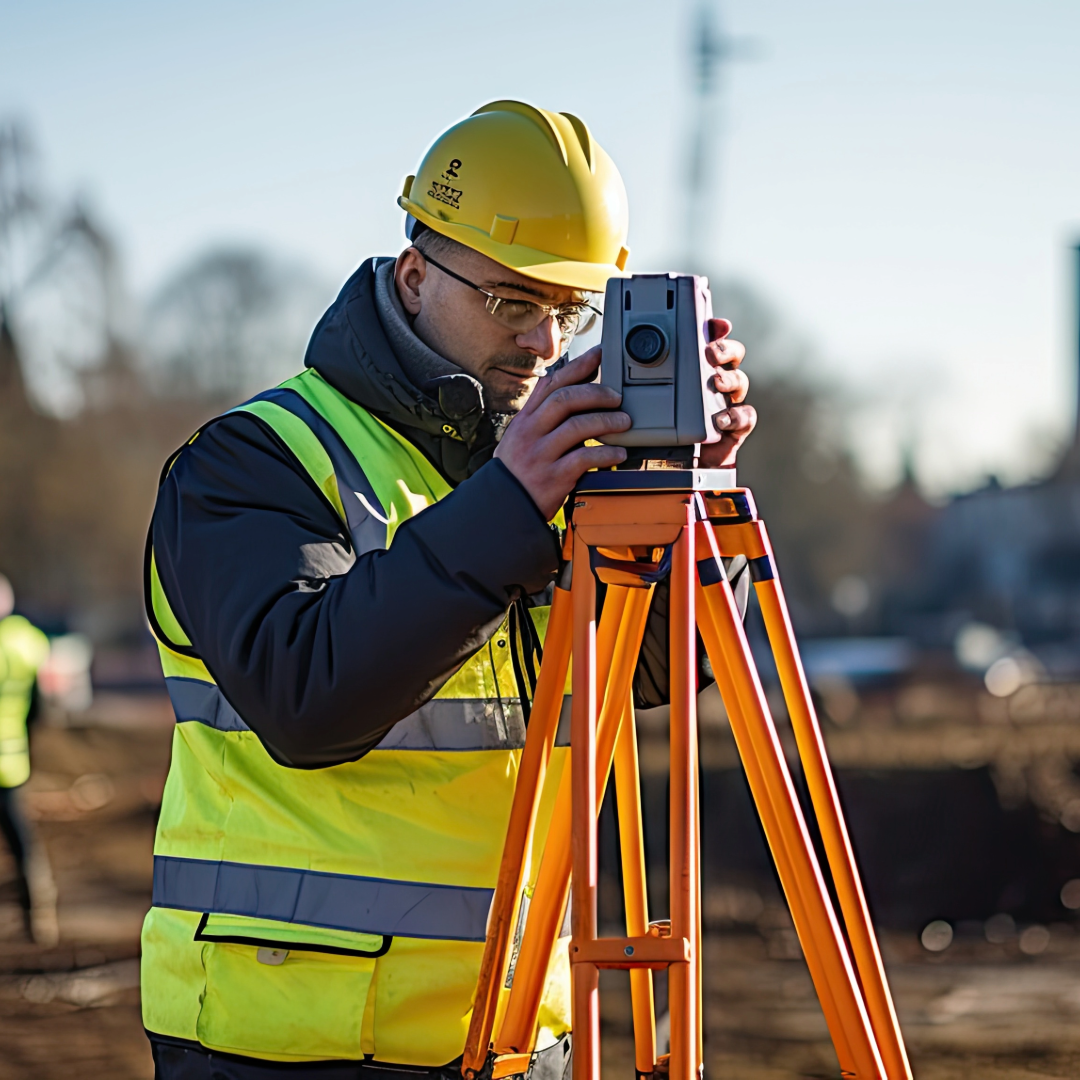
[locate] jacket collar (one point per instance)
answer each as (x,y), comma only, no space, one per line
(444,419)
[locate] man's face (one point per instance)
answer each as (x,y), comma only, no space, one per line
(451,318)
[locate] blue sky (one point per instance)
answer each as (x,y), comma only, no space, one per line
(901,180)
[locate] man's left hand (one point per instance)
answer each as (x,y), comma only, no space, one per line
(737,421)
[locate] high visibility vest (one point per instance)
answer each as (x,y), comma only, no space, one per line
(23,649)
(336,913)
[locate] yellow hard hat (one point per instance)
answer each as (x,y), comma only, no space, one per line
(530,189)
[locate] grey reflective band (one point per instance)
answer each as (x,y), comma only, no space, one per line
(364,513)
(193,699)
(468,724)
(454,724)
(362,905)
(459,724)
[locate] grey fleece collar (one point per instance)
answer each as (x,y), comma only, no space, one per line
(420,363)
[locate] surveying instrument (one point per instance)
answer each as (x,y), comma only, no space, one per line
(628,528)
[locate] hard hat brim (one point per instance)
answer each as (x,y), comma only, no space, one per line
(538,265)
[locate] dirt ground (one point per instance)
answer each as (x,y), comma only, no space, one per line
(974,1010)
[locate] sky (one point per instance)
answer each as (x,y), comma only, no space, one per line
(900,180)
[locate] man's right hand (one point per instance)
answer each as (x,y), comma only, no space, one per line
(542,445)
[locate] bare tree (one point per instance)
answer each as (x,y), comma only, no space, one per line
(81,441)
(823,522)
(59,292)
(231,322)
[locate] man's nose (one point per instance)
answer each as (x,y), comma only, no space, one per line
(544,340)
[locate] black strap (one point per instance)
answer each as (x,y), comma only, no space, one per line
(515,656)
(525,648)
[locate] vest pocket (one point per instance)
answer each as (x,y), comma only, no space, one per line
(284,991)
(272,934)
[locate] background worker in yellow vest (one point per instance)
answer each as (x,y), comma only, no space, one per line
(346,576)
(23,649)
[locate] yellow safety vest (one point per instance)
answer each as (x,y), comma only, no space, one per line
(336,913)
(23,649)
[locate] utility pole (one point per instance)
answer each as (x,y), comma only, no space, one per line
(1075,313)
(711,49)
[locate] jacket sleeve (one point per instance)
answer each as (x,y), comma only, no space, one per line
(320,651)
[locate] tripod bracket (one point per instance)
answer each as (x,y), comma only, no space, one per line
(631,952)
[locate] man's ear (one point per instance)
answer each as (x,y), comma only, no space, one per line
(409,274)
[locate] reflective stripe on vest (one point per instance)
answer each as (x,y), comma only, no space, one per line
(439,724)
(364,514)
(335,901)
(193,699)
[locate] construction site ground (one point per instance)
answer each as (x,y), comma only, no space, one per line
(974,1010)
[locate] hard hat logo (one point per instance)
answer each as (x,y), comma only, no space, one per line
(543,197)
(444,193)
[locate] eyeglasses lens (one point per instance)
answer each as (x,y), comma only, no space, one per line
(523,316)
(519,315)
(585,319)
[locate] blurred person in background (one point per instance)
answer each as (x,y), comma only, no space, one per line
(23,650)
(346,576)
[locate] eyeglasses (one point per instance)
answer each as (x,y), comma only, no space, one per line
(522,316)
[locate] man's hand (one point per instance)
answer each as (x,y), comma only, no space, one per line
(542,445)
(736,422)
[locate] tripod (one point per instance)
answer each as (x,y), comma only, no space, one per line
(628,529)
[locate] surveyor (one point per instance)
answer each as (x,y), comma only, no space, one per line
(23,650)
(329,574)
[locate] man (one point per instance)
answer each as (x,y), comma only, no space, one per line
(329,573)
(23,649)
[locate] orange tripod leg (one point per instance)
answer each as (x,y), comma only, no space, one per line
(698,954)
(535,757)
(618,641)
(585,995)
(834,833)
(767,773)
(635,896)
(683,977)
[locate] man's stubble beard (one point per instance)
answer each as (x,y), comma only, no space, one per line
(501,409)
(496,403)
(502,405)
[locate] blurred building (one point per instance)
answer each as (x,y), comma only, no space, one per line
(1011,558)
(1008,558)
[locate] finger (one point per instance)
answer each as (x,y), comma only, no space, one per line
(725,353)
(574,465)
(733,383)
(578,429)
(589,355)
(564,402)
(719,329)
(581,369)
(738,420)
(724,452)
